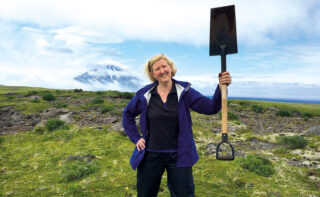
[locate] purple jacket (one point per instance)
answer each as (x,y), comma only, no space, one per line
(188,97)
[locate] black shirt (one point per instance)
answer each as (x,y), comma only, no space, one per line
(162,122)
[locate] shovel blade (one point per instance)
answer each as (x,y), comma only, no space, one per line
(223,30)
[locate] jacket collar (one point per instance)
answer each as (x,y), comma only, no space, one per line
(181,87)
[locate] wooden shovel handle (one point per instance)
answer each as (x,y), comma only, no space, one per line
(224,108)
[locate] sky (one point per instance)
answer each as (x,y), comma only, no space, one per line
(46,43)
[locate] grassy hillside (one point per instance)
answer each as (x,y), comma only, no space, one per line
(78,160)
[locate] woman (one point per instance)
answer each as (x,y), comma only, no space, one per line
(167,140)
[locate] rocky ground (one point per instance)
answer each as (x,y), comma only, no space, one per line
(265,126)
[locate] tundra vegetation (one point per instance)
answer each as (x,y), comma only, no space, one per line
(74,145)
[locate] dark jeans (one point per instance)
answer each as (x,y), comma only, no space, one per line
(151,169)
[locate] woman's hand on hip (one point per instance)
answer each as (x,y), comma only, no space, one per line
(140,144)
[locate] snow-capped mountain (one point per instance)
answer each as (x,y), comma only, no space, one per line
(111,77)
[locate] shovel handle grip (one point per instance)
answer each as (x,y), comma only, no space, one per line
(224,112)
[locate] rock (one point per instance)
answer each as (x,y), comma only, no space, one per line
(34,97)
(269,129)
(66,118)
(49,113)
(296,113)
(240,153)
(306,163)
(216,130)
(80,157)
(234,127)
(35,121)
(211,149)
(16,117)
(315,130)
(53,113)
(276,194)
(109,120)
(118,127)
(42,123)
(274,109)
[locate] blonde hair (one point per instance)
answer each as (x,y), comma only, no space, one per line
(148,66)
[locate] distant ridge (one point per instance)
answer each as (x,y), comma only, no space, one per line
(279,100)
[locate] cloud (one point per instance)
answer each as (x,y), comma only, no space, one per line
(258,22)
(47,43)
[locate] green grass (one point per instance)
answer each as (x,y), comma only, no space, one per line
(38,167)
(33,163)
(19,89)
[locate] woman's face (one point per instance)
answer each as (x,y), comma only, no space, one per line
(161,71)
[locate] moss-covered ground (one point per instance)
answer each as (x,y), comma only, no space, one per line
(34,163)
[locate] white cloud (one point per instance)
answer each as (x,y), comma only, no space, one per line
(258,22)
(47,43)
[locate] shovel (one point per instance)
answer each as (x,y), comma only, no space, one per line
(223,41)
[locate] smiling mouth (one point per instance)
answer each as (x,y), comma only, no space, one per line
(164,74)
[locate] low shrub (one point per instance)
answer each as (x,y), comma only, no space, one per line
(11,97)
(232,116)
(258,165)
(35,101)
(48,97)
(62,105)
(106,108)
(77,117)
(293,142)
(281,151)
(99,93)
(54,124)
(257,108)
(283,113)
(126,95)
(295,112)
(77,170)
(97,100)
(117,94)
(77,90)
(30,93)
(307,115)
(244,103)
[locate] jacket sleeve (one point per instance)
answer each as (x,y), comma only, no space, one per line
(202,104)
(132,110)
